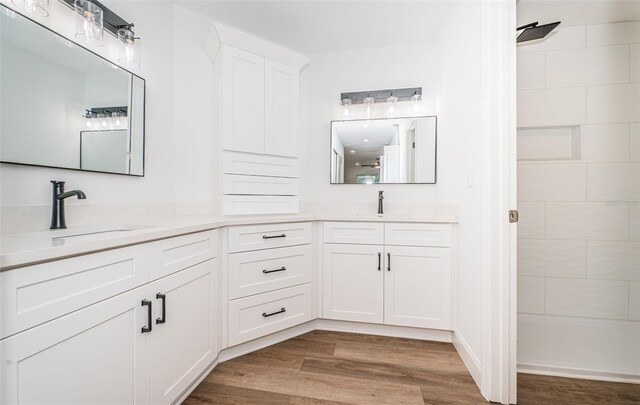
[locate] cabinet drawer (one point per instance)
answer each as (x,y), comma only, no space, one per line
(245,238)
(267,270)
(260,204)
(36,294)
(260,315)
(368,233)
(435,235)
(174,254)
(259,165)
(239,184)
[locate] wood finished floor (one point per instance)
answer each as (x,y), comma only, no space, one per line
(344,368)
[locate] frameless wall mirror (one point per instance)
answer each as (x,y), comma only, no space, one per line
(388,150)
(64,106)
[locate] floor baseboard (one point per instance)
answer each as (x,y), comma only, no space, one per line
(578,373)
(468,357)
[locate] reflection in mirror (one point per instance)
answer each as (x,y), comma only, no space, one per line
(391,151)
(63,106)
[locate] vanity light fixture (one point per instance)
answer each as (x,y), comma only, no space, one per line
(36,8)
(106,118)
(346,107)
(368,103)
(90,25)
(416,103)
(130,51)
(392,105)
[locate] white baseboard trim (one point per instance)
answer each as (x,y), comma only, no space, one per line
(197,382)
(383,330)
(578,373)
(468,357)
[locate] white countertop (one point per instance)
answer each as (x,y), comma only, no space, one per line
(19,250)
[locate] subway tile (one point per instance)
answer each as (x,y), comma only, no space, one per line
(560,38)
(634,55)
(587,298)
(604,143)
(587,66)
(613,260)
(634,301)
(531,223)
(587,220)
(559,258)
(611,34)
(552,182)
(634,142)
(613,182)
(531,295)
(530,70)
(613,103)
(551,107)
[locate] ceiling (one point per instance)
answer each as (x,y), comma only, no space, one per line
(577,12)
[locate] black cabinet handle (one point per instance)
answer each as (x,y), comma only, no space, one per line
(149,327)
(274,236)
(379,261)
(266,315)
(388,261)
(162,297)
(265,271)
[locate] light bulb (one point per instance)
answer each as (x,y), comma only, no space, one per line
(88,122)
(90,25)
(368,103)
(346,108)
(103,121)
(130,51)
(392,105)
(416,103)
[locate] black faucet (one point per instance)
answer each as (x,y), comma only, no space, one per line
(57,203)
(380,205)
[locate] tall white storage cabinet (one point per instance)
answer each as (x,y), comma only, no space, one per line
(257,83)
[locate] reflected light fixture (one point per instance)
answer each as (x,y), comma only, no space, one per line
(416,103)
(90,27)
(130,51)
(36,8)
(368,103)
(352,151)
(346,107)
(392,105)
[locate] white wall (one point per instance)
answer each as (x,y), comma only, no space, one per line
(579,246)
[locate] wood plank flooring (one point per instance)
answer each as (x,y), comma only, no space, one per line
(344,368)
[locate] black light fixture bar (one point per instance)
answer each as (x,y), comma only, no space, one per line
(94,111)
(112,21)
(357,97)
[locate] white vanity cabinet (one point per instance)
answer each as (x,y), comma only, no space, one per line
(394,280)
(140,345)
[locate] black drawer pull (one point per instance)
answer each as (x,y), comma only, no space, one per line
(388,261)
(149,327)
(265,271)
(162,297)
(266,315)
(379,261)
(274,236)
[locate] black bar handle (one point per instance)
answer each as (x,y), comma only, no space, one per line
(379,261)
(149,327)
(388,261)
(274,236)
(266,315)
(162,297)
(265,271)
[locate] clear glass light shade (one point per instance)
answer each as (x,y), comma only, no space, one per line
(36,8)
(392,105)
(90,25)
(368,104)
(416,104)
(346,108)
(129,49)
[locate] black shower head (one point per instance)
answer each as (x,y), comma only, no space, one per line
(534,31)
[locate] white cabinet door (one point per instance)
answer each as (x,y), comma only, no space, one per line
(281,109)
(417,290)
(243,101)
(353,283)
(97,355)
(185,336)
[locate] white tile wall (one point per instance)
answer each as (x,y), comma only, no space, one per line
(611,34)
(634,220)
(531,294)
(614,182)
(531,70)
(588,298)
(552,107)
(605,143)
(552,182)
(613,260)
(531,223)
(549,143)
(587,221)
(613,103)
(560,38)
(634,66)
(634,301)
(634,142)
(588,66)
(559,258)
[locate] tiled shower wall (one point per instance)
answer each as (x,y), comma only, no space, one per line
(579,202)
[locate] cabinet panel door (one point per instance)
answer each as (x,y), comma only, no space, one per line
(353,283)
(186,343)
(243,101)
(281,109)
(97,355)
(417,289)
